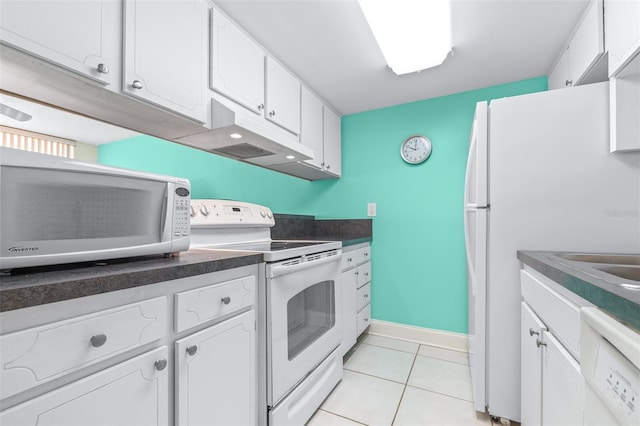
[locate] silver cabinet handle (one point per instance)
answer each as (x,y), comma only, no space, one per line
(568,83)
(366,254)
(160,364)
(532,332)
(366,320)
(539,343)
(137,84)
(272,113)
(350,260)
(328,166)
(357,273)
(191,350)
(226,300)
(98,340)
(260,107)
(103,69)
(366,274)
(366,295)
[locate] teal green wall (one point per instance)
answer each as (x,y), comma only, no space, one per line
(419,266)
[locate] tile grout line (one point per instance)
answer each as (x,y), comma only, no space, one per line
(404,389)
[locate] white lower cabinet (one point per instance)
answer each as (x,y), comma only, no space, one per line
(552,386)
(105,361)
(356,293)
(134,392)
(216,374)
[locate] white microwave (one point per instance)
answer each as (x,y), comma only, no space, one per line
(55,210)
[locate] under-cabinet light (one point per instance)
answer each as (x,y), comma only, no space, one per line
(235,135)
(413,35)
(290,157)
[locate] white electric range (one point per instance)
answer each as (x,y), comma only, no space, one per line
(299,306)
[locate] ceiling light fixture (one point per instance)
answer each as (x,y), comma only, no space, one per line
(413,34)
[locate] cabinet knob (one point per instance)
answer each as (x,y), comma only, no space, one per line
(191,350)
(328,166)
(366,295)
(366,274)
(539,343)
(366,254)
(568,83)
(272,113)
(98,340)
(350,259)
(103,69)
(357,273)
(160,364)
(137,84)
(366,320)
(532,332)
(226,300)
(260,107)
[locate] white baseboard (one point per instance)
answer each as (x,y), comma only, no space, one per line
(421,335)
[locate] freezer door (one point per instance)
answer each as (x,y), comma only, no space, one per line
(475,224)
(476,191)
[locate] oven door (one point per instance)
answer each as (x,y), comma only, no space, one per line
(304,309)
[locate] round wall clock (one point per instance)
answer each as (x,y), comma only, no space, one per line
(415,149)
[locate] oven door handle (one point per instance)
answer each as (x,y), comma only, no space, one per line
(283,268)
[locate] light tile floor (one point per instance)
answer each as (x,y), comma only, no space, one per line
(395,382)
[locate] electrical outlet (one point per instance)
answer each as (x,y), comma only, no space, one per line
(371,209)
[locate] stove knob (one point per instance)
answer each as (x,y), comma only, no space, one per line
(262,213)
(205,210)
(269,214)
(193,211)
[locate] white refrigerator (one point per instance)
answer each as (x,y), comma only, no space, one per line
(539,177)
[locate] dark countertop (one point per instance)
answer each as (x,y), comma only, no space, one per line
(36,286)
(580,278)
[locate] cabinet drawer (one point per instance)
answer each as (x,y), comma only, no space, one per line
(204,304)
(364,318)
(40,354)
(134,392)
(560,315)
(364,274)
(364,296)
(348,260)
(363,255)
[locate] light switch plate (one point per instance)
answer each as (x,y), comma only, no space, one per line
(371,209)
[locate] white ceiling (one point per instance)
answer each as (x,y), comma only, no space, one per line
(328,44)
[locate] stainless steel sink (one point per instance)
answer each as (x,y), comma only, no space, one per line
(625,272)
(610,259)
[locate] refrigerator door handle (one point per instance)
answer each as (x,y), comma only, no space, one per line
(470,267)
(467,177)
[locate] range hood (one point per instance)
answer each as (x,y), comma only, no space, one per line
(255,140)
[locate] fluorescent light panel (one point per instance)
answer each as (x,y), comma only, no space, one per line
(413,34)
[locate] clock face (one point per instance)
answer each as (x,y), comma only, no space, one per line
(415,149)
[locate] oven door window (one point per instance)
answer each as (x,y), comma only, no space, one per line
(310,314)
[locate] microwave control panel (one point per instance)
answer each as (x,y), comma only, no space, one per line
(181,217)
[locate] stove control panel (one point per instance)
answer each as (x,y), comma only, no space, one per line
(226,213)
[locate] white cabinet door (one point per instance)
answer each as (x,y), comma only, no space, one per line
(216,374)
(562,385)
(332,142)
(587,45)
(282,97)
(311,126)
(349,309)
(134,392)
(165,58)
(531,367)
(82,36)
(237,63)
(623,32)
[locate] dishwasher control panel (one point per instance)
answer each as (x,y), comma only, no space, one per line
(617,380)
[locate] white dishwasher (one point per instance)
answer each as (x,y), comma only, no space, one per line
(610,364)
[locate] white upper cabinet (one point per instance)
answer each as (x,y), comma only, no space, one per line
(332,144)
(237,63)
(282,97)
(54,31)
(623,33)
(580,61)
(311,133)
(166,55)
